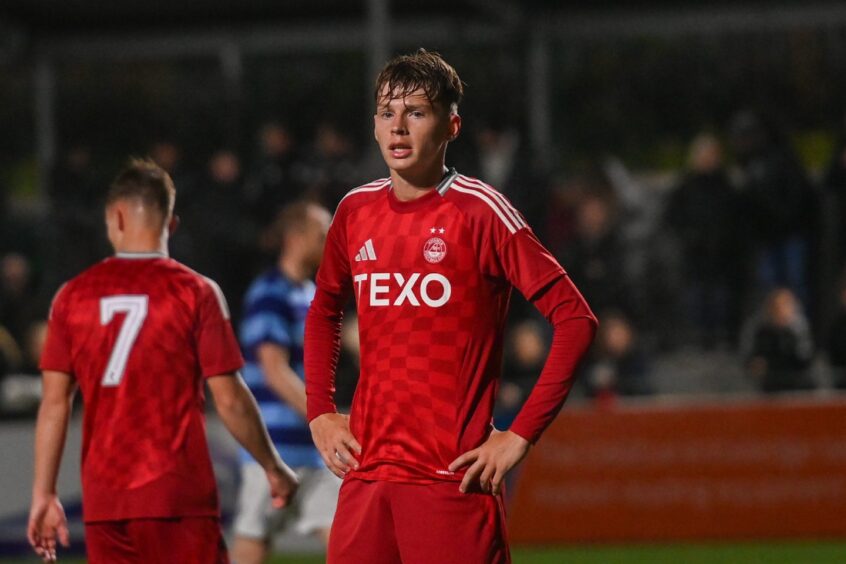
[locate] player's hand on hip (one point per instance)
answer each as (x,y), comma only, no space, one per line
(490,462)
(336,444)
(47,522)
(283,484)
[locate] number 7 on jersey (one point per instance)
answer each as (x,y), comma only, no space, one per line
(135,308)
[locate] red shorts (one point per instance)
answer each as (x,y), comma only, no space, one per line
(187,540)
(391,523)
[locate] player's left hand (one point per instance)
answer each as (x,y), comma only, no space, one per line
(47,522)
(491,461)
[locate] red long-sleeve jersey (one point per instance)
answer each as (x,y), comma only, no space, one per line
(432,279)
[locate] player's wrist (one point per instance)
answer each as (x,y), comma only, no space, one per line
(321,416)
(39,494)
(518,433)
(273,464)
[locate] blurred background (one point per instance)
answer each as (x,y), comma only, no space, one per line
(685,161)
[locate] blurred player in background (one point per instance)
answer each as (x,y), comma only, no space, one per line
(272,341)
(431,256)
(139,334)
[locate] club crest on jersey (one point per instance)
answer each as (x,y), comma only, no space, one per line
(434,250)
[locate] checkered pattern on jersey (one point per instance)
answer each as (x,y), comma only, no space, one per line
(147,427)
(423,369)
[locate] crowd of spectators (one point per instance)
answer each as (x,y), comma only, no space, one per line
(728,256)
(740,253)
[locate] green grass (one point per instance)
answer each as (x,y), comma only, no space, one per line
(831,552)
(763,553)
(753,553)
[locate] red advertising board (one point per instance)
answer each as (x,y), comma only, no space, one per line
(658,471)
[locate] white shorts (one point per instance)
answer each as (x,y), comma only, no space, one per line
(313,507)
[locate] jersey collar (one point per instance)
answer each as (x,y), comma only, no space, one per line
(449,178)
(137,256)
(413,205)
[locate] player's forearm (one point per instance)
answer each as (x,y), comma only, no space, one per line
(322,350)
(50,433)
(570,342)
(574,328)
(287,385)
(240,415)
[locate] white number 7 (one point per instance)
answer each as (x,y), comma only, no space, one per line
(135,308)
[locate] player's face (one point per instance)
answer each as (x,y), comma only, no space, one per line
(413,134)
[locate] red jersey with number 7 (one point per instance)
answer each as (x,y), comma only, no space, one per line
(139,333)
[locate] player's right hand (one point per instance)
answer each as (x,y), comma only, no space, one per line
(336,444)
(283,484)
(47,521)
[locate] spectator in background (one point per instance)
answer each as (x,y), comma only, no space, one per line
(594,257)
(272,183)
(329,169)
(779,348)
(223,235)
(778,205)
(168,154)
(837,337)
(18,305)
(617,365)
(637,210)
(525,354)
(702,213)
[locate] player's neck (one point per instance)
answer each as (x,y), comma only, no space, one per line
(408,187)
(142,245)
(293,268)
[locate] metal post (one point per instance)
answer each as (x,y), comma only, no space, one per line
(378,39)
(539,98)
(232,68)
(378,20)
(44,84)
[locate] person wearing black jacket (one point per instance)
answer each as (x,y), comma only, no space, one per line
(703,213)
(778,206)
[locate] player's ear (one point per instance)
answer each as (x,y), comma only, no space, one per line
(173,224)
(454,125)
(121,221)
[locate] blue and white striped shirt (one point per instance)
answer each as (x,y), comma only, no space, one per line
(274,312)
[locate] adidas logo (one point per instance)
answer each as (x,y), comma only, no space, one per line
(367,252)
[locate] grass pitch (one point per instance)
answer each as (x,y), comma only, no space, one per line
(830,552)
